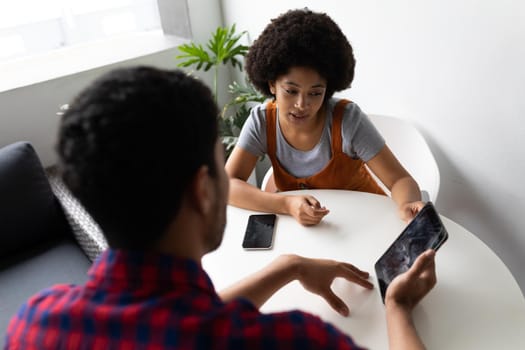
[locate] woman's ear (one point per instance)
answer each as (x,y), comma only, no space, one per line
(271,85)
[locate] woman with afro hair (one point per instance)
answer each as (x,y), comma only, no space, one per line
(312,139)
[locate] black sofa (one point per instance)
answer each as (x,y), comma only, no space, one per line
(38,247)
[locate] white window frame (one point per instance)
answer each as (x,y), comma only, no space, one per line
(78,58)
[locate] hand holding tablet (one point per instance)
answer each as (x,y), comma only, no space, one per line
(425,231)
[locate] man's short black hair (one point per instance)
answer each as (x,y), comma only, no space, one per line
(130,144)
(301,38)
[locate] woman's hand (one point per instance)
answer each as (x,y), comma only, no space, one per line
(407,211)
(317,275)
(305,209)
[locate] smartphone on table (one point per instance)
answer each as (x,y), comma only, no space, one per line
(425,231)
(259,232)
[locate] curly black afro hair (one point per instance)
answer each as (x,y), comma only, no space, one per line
(301,38)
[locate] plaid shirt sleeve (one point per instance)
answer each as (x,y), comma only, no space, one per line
(284,330)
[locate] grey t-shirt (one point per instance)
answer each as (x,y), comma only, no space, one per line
(360,140)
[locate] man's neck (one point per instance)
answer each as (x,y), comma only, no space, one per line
(177,241)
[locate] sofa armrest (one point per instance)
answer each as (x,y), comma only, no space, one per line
(29,212)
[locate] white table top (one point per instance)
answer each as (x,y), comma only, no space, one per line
(476,303)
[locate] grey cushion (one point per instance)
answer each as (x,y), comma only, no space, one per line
(29,211)
(87,232)
(24,274)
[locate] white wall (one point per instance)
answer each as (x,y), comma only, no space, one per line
(456,70)
(29,113)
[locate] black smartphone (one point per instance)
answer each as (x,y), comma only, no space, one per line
(425,231)
(259,231)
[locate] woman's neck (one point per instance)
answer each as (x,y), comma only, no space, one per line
(307,136)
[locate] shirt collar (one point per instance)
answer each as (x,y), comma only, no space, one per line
(125,269)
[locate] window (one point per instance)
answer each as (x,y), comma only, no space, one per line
(30,27)
(43,40)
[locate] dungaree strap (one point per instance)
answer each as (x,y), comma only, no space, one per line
(271,128)
(337,126)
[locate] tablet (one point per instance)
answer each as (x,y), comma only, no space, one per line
(425,231)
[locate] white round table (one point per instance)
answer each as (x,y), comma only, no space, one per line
(476,303)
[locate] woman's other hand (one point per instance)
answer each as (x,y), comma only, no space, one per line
(407,211)
(305,209)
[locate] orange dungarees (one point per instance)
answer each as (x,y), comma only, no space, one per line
(342,171)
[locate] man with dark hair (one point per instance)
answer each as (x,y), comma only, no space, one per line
(140,150)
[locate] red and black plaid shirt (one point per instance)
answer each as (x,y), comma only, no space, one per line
(148,301)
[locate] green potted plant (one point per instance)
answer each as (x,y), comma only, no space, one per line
(224,48)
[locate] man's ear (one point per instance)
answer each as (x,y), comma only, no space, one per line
(201,191)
